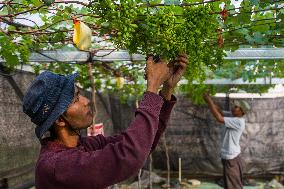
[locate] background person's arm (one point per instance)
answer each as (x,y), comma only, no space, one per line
(219,109)
(213,108)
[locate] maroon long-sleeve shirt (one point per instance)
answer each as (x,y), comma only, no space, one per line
(98,162)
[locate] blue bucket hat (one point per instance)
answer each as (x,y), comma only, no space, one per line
(47,98)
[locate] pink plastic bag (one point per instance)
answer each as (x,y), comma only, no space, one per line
(95,129)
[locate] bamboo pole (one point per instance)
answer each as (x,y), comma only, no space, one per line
(168,161)
(150,171)
(179,170)
(139,179)
(93,86)
(140,170)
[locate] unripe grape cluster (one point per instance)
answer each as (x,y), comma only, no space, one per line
(164,31)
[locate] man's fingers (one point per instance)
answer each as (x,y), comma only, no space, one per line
(180,64)
(150,60)
(182,59)
(162,61)
(183,55)
(206,94)
(183,65)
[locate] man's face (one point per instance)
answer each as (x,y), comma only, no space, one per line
(237,111)
(79,114)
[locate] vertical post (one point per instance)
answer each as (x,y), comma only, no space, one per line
(168,161)
(140,170)
(150,171)
(179,170)
(139,179)
(93,86)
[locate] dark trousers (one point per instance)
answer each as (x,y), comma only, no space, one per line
(233,173)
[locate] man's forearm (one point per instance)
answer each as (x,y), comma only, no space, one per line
(169,102)
(214,110)
(163,119)
(219,109)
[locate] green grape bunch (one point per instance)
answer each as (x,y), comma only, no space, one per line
(164,31)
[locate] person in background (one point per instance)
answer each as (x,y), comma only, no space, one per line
(234,126)
(69,161)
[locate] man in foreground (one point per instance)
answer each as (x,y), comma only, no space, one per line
(66,159)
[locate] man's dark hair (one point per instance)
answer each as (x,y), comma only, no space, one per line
(52,132)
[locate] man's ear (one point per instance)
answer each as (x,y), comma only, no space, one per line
(242,111)
(60,122)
